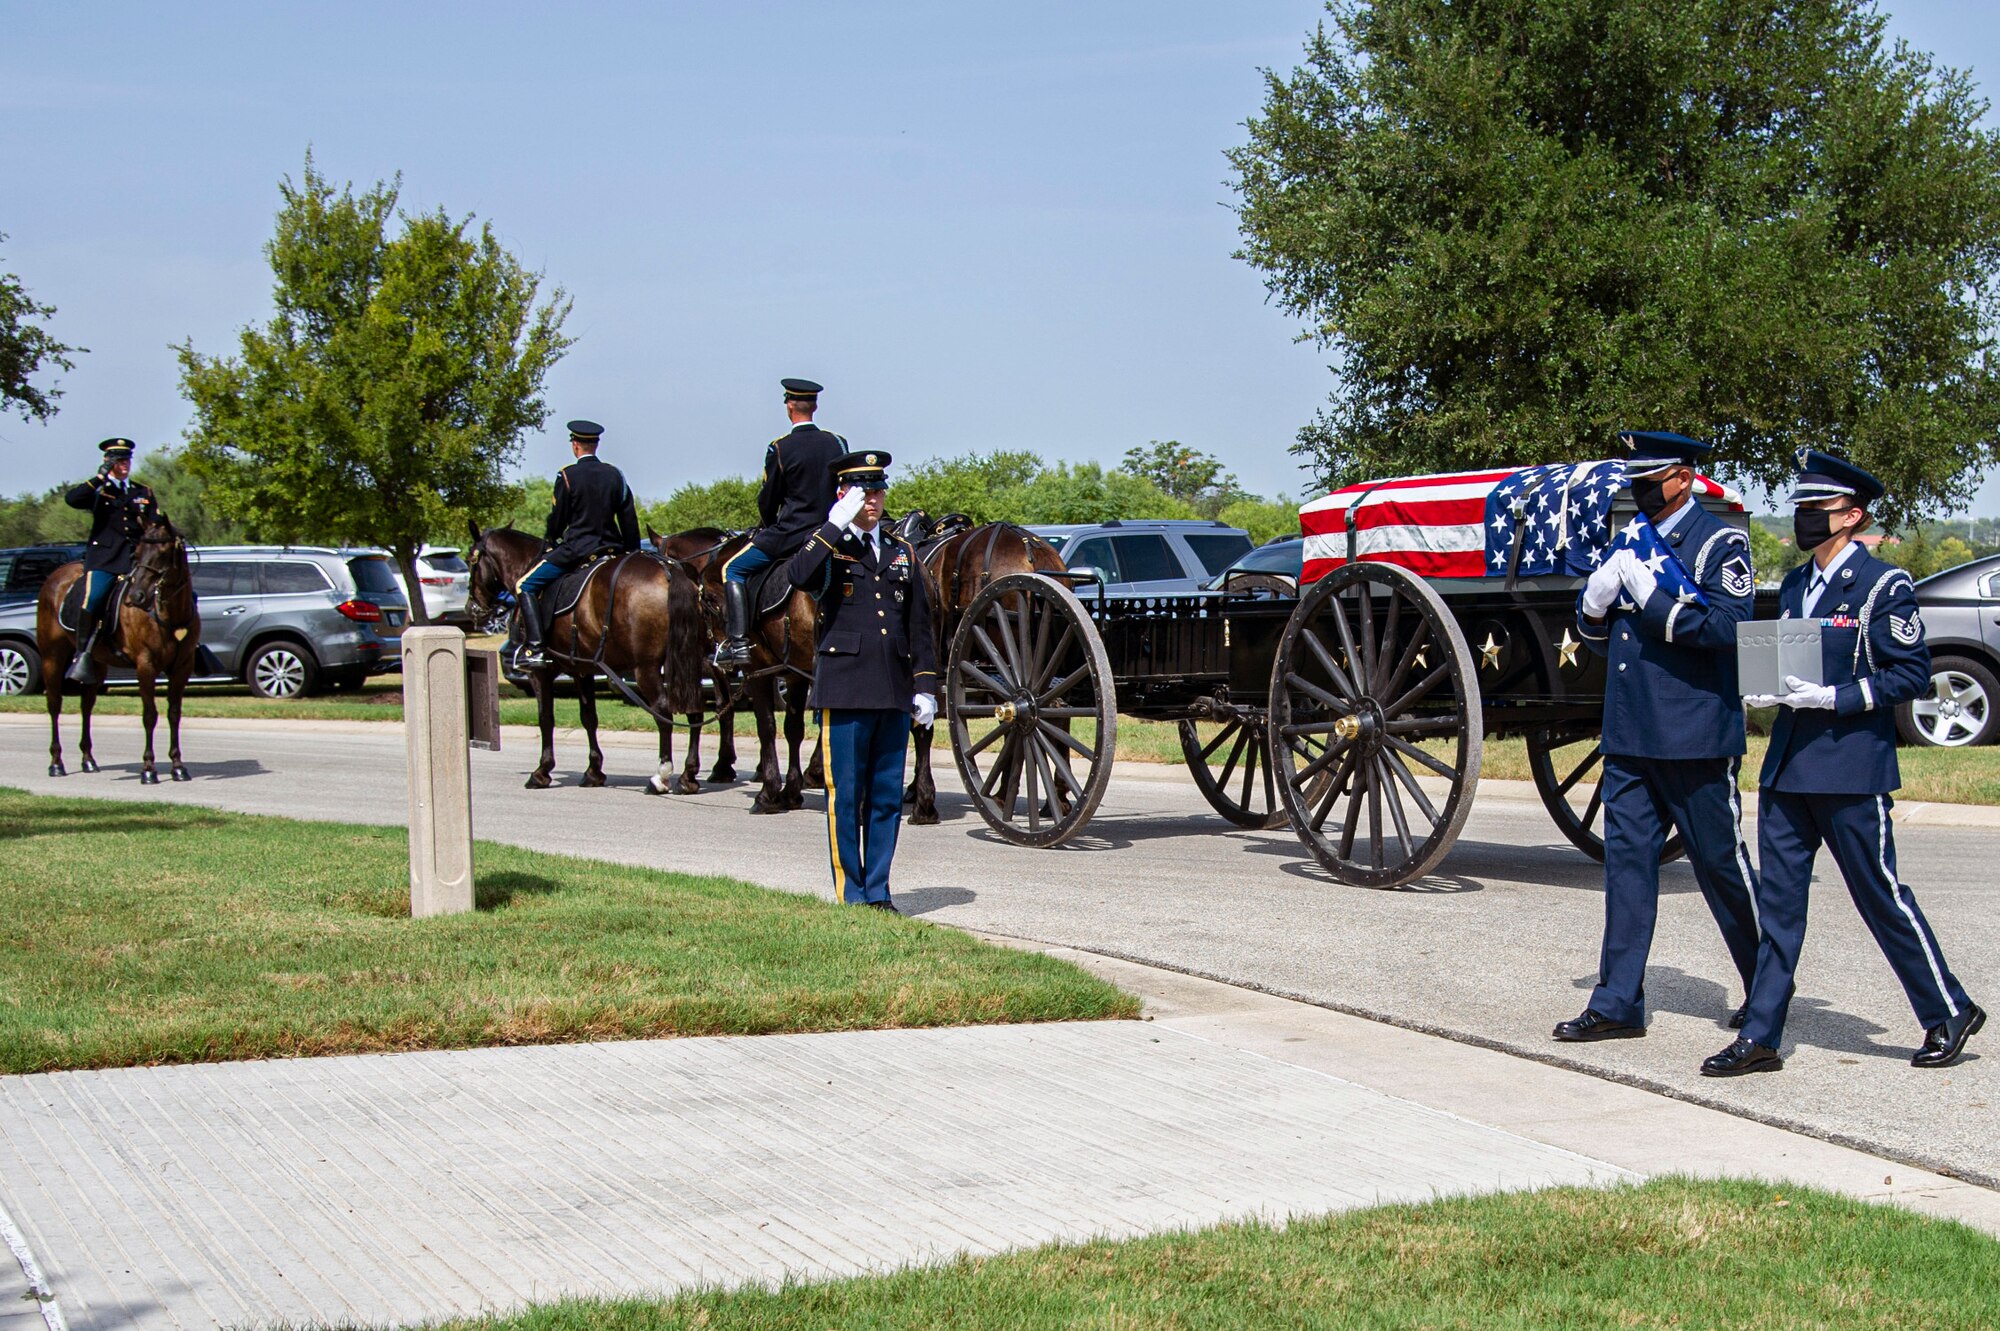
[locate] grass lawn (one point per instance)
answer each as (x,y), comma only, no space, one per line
(156,933)
(1948,776)
(1673,1252)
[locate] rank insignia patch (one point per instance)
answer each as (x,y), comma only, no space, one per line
(1736,580)
(1906,631)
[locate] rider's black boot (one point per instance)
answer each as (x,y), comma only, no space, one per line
(529,655)
(83,670)
(736,626)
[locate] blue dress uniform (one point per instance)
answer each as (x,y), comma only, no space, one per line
(1673,743)
(118,514)
(875,655)
(1827,778)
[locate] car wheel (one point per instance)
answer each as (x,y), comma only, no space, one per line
(281,670)
(1962,708)
(20,669)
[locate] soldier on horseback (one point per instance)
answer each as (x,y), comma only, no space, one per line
(593,511)
(119,507)
(798,491)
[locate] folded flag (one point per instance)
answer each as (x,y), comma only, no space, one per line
(1643,539)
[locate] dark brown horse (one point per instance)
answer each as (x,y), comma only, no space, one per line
(956,568)
(638,614)
(781,658)
(157,631)
(697,547)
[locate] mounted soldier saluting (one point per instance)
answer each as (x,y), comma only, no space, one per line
(592,512)
(798,491)
(119,508)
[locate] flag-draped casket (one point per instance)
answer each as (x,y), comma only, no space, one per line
(1469,524)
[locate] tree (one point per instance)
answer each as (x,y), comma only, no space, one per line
(23,350)
(42,519)
(392,387)
(183,496)
(1522,227)
(1086,492)
(730,503)
(1771,556)
(1188,474)
(1264,519)
(984,487)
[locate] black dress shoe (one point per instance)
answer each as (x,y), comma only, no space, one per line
(1738,1017)
(1944,1042)
(1741,1057)
(887,905)
(1594,1025)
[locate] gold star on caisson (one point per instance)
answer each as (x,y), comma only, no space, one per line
(1489,652)
(1566,649)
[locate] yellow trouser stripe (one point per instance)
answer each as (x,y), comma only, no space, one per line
(832,806)
(525,576)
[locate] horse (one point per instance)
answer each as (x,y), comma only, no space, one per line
(782,644)
(696,548)
(958,561)
(156,631)
(637,612)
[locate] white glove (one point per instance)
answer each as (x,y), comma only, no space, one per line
(1806,695)
(1762,699)
(1602,589)
(1637,579)
(845,507)
(925,707)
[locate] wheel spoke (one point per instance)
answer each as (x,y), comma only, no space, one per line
(1374,818)
(1249,768)
(1389,627)
(1048,663)
(1418,637)
(1235,754)
(1061,768)
(1596,803)
(984,680)
(1063,685)
(984,740)
(1318,694)
(1423,725)
(1330,795)
(1417,690)
(1396,816)
(1409,750)
(996,657)
(1346,642)
(1594,757)
(1004,622)
(1229,728)
(1395,764)
(1030,768)
(1321,763)
(1327,663)
(1067,712)
(1082,750)
(1308,728)
(1364,668)
(1270,783)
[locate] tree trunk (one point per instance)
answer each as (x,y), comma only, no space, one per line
(406,560)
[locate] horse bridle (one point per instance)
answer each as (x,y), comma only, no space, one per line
(147,595)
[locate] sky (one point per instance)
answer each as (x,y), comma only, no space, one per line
(980,225)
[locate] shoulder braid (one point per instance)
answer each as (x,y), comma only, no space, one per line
(1863,644)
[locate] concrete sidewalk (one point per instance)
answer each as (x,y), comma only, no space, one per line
(395,1188)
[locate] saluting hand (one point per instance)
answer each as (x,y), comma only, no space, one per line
(847,505)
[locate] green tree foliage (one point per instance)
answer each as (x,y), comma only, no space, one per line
(24,349)
(42,519)
(1524,226)
(730,503)
(1188,474)
(1264,519)
(984,487)
(1925,552)
(1086,492)
(1771,555)
(183,496)
(391,389)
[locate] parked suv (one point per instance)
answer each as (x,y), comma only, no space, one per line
(22,570)
(285,618)
(446,582)
(1961,610)
(1149,556)
(21,573)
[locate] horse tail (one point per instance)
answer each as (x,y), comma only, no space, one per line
(687,634)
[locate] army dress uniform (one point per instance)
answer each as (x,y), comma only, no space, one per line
(1827,779)
(118,514)
(875,664)
(592,510)
(798,490)
(1673,743)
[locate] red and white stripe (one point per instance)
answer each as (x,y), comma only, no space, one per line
(1434,526)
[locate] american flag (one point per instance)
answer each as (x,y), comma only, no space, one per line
(1467,524)
(1643,539)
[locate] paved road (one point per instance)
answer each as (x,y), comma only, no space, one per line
(1494,949)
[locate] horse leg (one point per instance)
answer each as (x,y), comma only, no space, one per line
(770,795)
(690,783)
(86,699)
(149,710)
(176,685)
(545,717)
(923,786)
(586,710)
(52,682)
(725,743)
(816,767)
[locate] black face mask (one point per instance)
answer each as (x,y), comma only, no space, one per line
(1812,527)
(1650,494)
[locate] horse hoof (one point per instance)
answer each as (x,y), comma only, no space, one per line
(181,773)
(56,769)
(88,764)
(591,780)
(795,801)
(149,777)
(762,806)
(654,786)
(723,776)
(923,819)
(538,782)
(687,785)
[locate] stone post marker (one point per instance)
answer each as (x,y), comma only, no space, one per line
(440,771)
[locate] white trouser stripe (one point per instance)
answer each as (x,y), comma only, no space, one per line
(1742,851)
(1898,892)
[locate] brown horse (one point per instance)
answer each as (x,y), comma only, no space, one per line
(638,613)
(782,643)
(697,547)
(157,631)
(956,569)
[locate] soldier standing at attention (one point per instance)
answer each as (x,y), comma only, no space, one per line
(1673,732)
(592,510)
(798,489)
(118,508)
(1829,771)
(875,669)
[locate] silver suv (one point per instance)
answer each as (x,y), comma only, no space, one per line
(1149,556)
(283,619)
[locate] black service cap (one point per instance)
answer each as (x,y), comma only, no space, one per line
(801,389)
(585,430)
